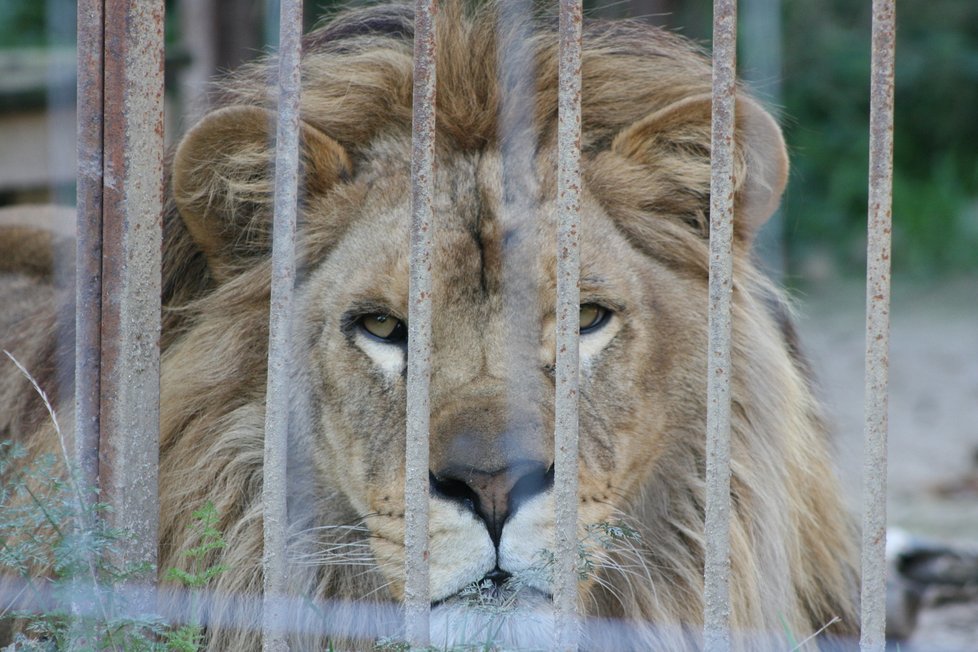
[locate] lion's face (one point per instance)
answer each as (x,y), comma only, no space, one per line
(643,295)
(642,340)
(492,385)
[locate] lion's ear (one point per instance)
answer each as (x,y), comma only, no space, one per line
(224,180)
(674,145)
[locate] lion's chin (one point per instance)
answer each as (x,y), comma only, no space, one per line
(494,618)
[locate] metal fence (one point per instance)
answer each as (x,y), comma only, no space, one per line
(120,195)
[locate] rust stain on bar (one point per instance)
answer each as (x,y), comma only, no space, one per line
(568,325)
(88,240)
(716,617)
(417,601)
(873,598)
(131,235)
(274,494)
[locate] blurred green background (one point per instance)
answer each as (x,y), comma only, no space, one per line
(808,60)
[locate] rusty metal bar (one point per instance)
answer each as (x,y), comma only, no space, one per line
(716,631)
(417,601)
(88,241)
(274,558)
(568,324)
(873,598)
(132,205)
(88,270)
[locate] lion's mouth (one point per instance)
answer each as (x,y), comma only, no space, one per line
(497,596)
(507,615)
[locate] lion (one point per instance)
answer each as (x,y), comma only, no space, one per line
(644,231)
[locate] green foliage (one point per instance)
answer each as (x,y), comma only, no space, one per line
(600,537)
(205,531)
(824,106)
(55,542)
(826,98)
(62,554)
(53,539)
(395,645)
(45,23)
(22,24)
(188,638)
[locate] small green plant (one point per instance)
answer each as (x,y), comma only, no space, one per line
(60,551)
(55,543)
(188,637)
(396,645)
(601,537)
(56,557)
(61,566)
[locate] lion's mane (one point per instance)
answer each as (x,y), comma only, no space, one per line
(792,557)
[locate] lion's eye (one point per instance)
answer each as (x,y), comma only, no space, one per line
(593,317)
(384,327)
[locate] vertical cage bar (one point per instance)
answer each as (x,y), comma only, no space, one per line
(88,266)
(274,508)
(568,324)
(88,240)
(131,235)
(716,633)
(873,598)
(417,602)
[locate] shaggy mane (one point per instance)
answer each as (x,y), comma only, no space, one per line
(357,75)
(792,556)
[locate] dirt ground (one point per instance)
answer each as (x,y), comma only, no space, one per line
(933,418)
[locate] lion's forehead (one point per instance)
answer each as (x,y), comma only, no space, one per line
(492,231)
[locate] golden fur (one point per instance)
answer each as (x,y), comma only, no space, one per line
(645,103)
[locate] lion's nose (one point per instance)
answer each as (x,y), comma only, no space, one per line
(492,496)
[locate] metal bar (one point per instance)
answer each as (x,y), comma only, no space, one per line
(88,241)
(417,602)
(274,509)
(568,324)
(132,204)
(716,597)
(88,273)
(873,598)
